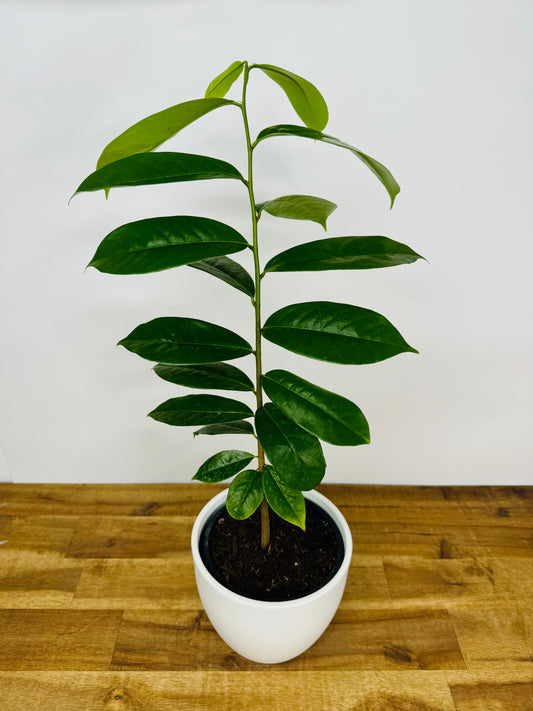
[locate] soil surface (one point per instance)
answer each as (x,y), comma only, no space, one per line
(296,564)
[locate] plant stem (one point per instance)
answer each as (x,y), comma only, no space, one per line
(265,519)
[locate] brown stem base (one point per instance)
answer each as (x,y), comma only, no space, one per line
(265,526)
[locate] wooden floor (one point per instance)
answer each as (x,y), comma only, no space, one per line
(99,610)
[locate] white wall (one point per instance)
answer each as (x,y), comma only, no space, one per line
(440,91)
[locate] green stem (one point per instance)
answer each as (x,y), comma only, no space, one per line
(265,520)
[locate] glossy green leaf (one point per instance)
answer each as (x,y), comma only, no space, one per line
(157,168)
(224,428)
(379,170)
(152,131)
(221,84)
(212,376)
(245,494)
(295,454)
(343,253)
(287,502)
(299,207)
(338,333)
(200,410)
(159,243)
(229,271)
(184,341)
(223,465)
(305,98)
(328,416)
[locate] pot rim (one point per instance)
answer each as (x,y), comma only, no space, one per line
(315,496)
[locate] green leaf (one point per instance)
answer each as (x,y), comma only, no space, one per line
(212,376)
(156,168)
(233,427)
(229,271)
(299,207)
(223,465)
(343,253)
(379,170)
(324,414)
(338,333)
(245,494)
(184,341)
(152,131)
(159,243)
(200,410)
(305,98)
(295,454)
(221,84)
(287,502)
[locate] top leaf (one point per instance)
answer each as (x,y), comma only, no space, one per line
(152,131)
(379,170)
(221,84)
(305,98)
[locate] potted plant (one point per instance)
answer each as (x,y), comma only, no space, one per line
(271,554)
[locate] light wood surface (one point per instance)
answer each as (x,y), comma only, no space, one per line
(99,609)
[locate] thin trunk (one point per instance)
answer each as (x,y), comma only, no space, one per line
(265,518)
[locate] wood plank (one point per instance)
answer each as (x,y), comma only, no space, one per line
(58,639)
(131,537)
(447,497)
(517,574)
(424,513)
(495,635)
(366,585)
(37,533)
(483,691)
(187,499)
(441,541)
(437,583)
(32,579)
(138,584)
(105,499)
(356,640)
(226,691)
(386,639)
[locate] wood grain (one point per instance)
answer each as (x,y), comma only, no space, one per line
(484,691)
(227,691)
(99,608)
(58,639)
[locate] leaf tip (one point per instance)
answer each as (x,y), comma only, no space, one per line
(393,195)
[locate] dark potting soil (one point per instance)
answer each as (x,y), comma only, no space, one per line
(296,564)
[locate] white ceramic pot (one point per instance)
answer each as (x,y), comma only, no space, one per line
(270,632)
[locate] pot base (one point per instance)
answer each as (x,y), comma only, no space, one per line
(296,564)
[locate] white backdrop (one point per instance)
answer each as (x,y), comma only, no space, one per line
(439,91)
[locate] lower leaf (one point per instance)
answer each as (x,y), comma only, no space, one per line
(294,453)
(200,410)
(245,494)
(229,271)
(234,427)
(287,502)
(324,414)
(223,465)
(209,376)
